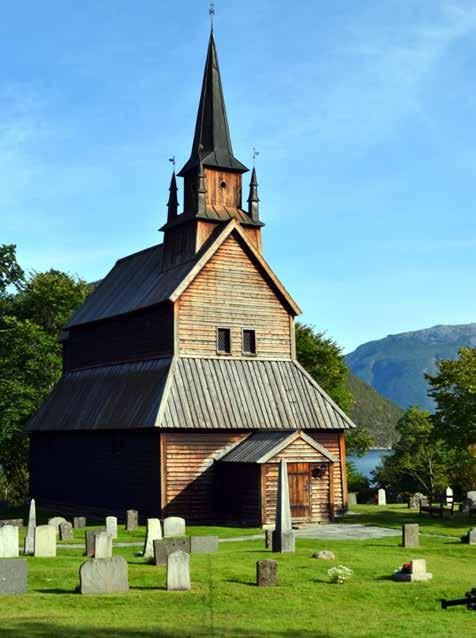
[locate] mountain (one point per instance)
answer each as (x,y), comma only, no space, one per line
(377,414)
(395,366)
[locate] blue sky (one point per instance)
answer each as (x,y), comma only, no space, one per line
(364,114)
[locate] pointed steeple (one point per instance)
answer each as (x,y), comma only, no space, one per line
(211,130)
(172,204)
(253,199)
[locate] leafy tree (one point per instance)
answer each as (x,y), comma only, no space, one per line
(358,442)
(30,355)
(322,359)
(454,390)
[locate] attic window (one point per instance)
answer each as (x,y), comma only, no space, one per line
(249,341)
(224,341)
(223,184)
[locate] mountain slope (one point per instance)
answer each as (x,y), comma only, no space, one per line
(374,412)
(395,366)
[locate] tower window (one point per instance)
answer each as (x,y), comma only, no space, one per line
(224,341)
(223,184)
(249,341)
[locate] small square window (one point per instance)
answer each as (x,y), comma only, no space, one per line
(249,342)
(224,341)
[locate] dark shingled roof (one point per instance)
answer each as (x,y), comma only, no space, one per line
(187,392)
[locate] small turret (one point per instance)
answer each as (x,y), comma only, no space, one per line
(172,204)
(253,199)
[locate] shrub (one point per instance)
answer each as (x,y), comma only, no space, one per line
(339,574)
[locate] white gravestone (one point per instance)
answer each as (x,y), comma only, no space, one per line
(103,545)
(9,541)
(174,526)
(178,571)
(30,534)
(45,541)
(449,496)
(56,522)
(153,533)
(111,526)
(382,497)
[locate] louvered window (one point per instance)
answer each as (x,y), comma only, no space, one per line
(224,341)
(249,342)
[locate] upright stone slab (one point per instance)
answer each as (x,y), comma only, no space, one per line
(132,520)
(79,522)
(153,533)
(90,541)
(174,526)
(203,544)
(29,546)
(266,573)
(15,522)
(417,572)
(381,497)
(9,542)
(472,536)
(449,496)
(103,545)
(111,526)
(45,541)
(56,522)
(66,532)
(178,571)
(104,576)
(410,535)
(352,498)
(283,537)
(268,538)
(13,576)
(166,546)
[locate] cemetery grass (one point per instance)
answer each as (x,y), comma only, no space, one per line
(395,515)
(224,600)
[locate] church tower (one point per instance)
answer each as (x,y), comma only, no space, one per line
(212,178)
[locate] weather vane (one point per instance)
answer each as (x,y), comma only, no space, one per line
(211,12)
(255,155)
(172,161)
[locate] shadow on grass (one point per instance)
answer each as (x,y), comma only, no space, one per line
(241,582)
(63,592)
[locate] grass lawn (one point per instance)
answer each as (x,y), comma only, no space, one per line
(225,602)
(395,515)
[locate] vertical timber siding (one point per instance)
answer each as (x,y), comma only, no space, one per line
(331,441)
(231,292)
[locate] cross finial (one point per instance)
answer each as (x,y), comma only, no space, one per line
(172,161)
(211,12)
(255,155)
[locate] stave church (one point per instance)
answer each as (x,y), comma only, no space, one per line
(181,391)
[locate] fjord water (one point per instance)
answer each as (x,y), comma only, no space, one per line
(367,463)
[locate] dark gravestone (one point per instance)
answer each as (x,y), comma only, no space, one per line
(266,573)
(79,522)
(13,576)
(90,541)
(269,539)
(15,522)
(166,546)
(132,520)
(66,532)
(203,544)
(410,535)
(104,576)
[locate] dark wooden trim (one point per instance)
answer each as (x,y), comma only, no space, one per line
(163,472)
(263,492)
(343,469)
(331,492)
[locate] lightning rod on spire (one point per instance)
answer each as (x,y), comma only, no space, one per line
(211,12)
(172,161)
(255,155)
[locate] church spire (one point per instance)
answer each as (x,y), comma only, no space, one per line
(212,133)
(172,204)
(253,199)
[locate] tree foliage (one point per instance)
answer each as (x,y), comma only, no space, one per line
(31,319)
(322,359)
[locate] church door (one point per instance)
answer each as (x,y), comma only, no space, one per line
(299,490)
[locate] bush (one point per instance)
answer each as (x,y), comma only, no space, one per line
(339,574)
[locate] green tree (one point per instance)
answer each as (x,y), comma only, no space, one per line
(358,442)
(454,390)
(322,358)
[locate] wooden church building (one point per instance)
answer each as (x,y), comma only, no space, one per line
(181,391)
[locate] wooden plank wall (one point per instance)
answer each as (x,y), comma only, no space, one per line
(230,291)
(189,489)
(330,440)
(239,493)
(230,195)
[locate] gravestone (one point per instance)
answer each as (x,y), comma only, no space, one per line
(417,572)
(90,541)
(268,538)
(203,544)
(381,497)
(410,535)
(56,522)
(45,541)
(111,526)
(166,546)
(472,536)
(352,498)
(266,573)
(14,522)
(174,526)
(13,576)
(153,533)
(79,522)
(29,545)
(178,571)
(103,545)
(449,496)
(104,576)
(9,542)
(66,532)
(132,520)
(283,536)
